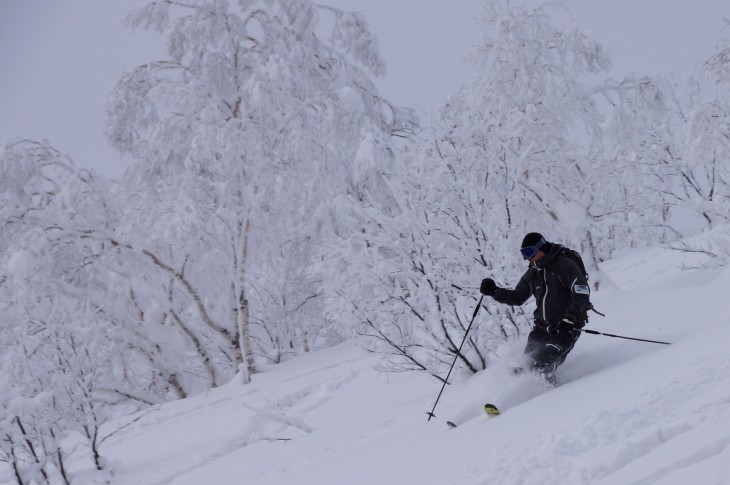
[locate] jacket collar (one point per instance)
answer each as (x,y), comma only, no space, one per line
(549,258)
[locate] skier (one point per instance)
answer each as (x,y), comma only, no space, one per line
(563,299)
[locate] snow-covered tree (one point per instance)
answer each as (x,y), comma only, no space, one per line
(630,176)
(50,277)
(704,171)
(660,170)
(503,161)
(234,137)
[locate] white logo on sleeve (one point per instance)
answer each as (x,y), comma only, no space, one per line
(581,290)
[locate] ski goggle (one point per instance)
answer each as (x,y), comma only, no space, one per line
(530,251)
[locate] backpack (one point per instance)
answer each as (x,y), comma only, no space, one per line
(574,256)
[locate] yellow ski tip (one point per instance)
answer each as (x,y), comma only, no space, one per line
(491,410)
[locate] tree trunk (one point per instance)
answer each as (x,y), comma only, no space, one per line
(248,366)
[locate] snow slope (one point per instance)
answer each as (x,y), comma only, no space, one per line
(627,413)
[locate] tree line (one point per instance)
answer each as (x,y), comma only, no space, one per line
(276,204)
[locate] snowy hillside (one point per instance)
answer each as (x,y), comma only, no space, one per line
(626,413)
(277,202)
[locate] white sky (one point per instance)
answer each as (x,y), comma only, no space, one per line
(58,60)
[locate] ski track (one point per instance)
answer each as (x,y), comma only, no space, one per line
(626,413)
(668,449)
(669,434)
(264,420)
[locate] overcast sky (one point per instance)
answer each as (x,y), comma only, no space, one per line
(58,59)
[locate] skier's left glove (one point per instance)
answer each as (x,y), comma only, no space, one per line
(563,326)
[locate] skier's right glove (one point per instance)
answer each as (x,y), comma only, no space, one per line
(563,326)
(488,287)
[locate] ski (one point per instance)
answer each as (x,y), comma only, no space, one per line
(490,409)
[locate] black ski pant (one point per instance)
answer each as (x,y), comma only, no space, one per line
(547,351)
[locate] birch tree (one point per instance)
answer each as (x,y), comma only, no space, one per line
(47,270)
(233,137)
(503,160)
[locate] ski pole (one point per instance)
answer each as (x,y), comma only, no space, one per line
(458,352)
(593,332)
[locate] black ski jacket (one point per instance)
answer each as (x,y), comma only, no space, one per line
(558,285)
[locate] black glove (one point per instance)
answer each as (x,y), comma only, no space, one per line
(563,326)
(488,287)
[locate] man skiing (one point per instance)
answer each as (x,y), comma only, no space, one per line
(563,299)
